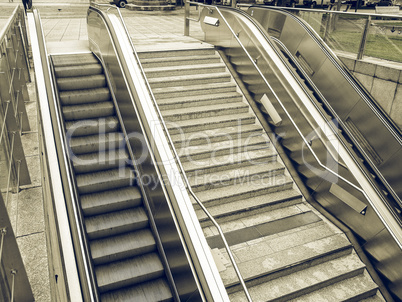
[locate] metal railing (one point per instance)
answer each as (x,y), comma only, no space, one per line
(183,173)
(14,74)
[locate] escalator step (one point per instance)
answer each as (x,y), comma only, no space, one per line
(116,223)
(157,290)
(78,70)
(99,161)
(88,111)
(110,201)
(129,272)
(77,59)
(86,82)
(84,96)
(124,246)
(96,143)
(104,180)
(92,126)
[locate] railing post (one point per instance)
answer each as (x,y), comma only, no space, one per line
(186,17)
(364,39)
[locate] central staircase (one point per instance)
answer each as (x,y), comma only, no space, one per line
(284,248)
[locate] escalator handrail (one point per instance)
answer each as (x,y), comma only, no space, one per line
(57,169)
(183,173)
(393,229)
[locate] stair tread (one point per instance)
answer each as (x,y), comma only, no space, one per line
(73,71)
(96,161)
(103,202)
(79,96)
(155,290)
(193,110)
(251,142)
(239,175)
(227,133)
(108,224)
(128,272)
(249,188)
(96,143)
(305,281)
(166,91)
(283,259)
(213,121)
(182,67)
(82,82)
(178,59)
(192,77)
(126,245)
(247,204)
(249,157)
(194,100)
(103,180)
(92,126)
(88,111)
(75,59)
(358,287)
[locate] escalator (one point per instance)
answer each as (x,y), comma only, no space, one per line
(324,154)
(126,242)
(124,252)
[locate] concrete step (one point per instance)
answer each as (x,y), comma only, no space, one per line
(77,70)
(249,206)
(127,245)
(110,201)
(85,82)
(96,143)
(375,298)
(353,289)
(83,96)
(206,123)
(187,80)
(181,114)
(225,147)
(98,161)
(195,89)
(231,134)
(170,54)
(253,173)
(88,111)
(116,223)
(230,161)
(155,290)
(129,272)
(199,100)
(244,190)
(178,70)
(306,281)
(261,264)
(104,180)
(91,127)
(175,61)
